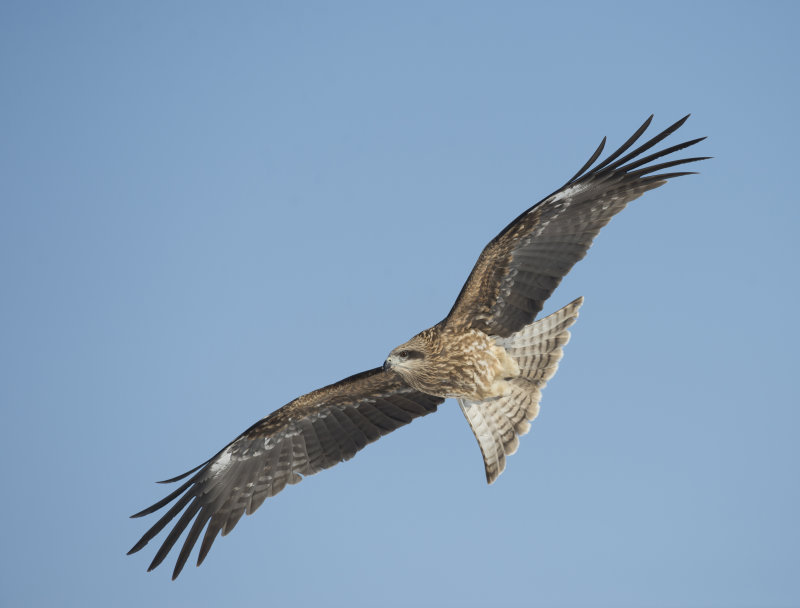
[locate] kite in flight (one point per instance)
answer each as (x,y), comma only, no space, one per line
(488,353)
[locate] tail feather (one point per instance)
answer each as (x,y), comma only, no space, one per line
(498,422)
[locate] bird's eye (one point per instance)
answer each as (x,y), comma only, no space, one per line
(404,354)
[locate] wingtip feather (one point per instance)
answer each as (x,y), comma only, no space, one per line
(186,474)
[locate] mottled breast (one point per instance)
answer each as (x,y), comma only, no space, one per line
(472,365)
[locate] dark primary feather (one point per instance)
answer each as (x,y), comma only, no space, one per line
(521,267)
(309,434)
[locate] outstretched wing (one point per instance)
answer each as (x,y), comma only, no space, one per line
(522,266)
(311,433)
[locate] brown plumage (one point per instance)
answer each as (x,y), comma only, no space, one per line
(447,363)
(488,353)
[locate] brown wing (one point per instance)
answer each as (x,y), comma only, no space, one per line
(524,264)
(311,433)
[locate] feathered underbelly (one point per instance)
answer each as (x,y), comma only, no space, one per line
(473,366)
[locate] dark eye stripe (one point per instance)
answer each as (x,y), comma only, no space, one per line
(414,354)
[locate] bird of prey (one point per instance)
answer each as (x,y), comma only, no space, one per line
(489,353)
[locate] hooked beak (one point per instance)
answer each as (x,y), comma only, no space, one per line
(386,365)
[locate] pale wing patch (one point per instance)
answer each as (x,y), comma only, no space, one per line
(221,462)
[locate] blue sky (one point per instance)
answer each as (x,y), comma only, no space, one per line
(208,210)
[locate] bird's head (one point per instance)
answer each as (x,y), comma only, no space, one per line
(407,358)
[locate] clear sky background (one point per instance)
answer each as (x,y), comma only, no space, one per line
(208,209)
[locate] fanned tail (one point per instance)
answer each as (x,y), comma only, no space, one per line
(498,422)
